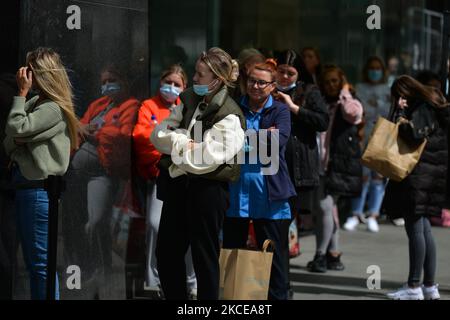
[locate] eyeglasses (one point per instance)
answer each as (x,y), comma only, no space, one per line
(260,83)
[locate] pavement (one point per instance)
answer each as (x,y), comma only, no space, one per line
(386,250)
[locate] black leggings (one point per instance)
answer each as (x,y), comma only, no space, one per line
(422,251)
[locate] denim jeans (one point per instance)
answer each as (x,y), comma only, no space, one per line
(372,193)
(32,226)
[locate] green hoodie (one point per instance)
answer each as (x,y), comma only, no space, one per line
(43,129)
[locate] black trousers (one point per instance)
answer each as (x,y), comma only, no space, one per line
(235,235)
(192,214)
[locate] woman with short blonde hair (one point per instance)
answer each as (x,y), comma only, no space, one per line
(195,192)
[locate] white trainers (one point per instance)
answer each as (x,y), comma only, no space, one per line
(372,225)
(399,222)
(407,293)
(431,293)
(351,223)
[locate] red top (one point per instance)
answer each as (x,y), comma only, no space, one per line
(114,138)
(147,157)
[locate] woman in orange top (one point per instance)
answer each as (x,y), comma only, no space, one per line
(173,81)
(108,123)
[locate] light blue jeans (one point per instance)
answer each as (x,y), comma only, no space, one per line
(32,226)
(372,194)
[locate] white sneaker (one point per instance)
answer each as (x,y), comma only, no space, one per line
(407,293)
(431,293)
(351,223)
(372,225)
(399,222)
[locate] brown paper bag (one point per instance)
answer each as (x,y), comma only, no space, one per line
(245,274)
(388,154)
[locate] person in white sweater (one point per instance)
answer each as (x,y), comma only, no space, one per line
(200,140)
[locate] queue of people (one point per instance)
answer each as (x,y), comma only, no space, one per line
(198,151)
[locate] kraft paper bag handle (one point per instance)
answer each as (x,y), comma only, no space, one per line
(266,245)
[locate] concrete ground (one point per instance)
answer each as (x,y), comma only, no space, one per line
(388,249)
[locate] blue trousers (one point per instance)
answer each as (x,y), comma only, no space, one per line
(372,194)
(32,226)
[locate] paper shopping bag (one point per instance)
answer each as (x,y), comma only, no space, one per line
(245,274)
(388,154)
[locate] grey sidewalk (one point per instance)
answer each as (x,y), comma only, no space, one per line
(388,249)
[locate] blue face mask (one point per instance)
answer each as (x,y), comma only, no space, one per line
(203,89)
(375,75)
(169,93)
(288,88)
(110,89)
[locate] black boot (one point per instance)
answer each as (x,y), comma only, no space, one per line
(334,262)
(319,264)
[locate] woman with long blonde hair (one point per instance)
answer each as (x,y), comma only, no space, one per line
(41,133)
(53,84)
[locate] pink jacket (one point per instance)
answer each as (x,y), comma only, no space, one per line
(352,111)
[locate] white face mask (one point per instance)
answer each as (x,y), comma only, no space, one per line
(288,88)
(110,89)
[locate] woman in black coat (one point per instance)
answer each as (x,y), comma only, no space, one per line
(309,116)
(424,114)
(340,166)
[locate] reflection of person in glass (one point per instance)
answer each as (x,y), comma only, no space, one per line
(103,163)
(195,193)
(40,135)
(173,81)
